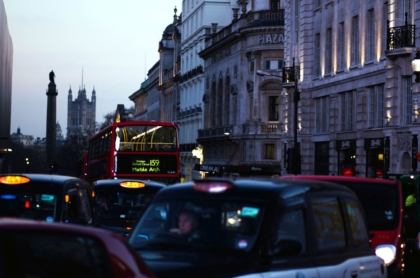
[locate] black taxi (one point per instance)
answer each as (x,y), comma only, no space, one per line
(118,203)
(256,228)
(51,198)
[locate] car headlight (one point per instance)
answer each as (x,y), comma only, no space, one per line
(386,252)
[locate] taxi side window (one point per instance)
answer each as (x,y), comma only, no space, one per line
(78,206)
(292,227)
(329,225)
(358,229)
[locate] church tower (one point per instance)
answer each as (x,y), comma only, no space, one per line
(81,113)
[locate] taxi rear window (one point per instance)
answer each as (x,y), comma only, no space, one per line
(30,205)
(380,203)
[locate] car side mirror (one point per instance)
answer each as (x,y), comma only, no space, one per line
(287,247)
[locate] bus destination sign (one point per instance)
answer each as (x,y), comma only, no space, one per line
(145,166)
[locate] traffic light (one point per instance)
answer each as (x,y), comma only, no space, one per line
(418,156)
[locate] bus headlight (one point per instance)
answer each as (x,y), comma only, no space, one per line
(386,252)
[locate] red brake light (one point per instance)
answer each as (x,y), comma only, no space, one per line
(27,204)
(212,186)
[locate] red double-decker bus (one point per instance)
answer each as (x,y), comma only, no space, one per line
(137,150)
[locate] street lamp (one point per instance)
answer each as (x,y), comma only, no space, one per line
(291,74)
(415,64)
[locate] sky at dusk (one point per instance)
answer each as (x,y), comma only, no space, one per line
(115,43)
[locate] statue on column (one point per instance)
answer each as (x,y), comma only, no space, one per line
(52,76)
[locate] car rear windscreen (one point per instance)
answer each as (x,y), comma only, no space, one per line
(380,202)
(29,205)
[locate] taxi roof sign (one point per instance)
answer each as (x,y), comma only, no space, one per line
(14,180)
(132,184)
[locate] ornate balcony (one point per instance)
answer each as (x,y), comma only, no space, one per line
(401,36)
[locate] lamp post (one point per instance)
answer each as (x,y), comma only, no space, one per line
(291,74)
(415,64)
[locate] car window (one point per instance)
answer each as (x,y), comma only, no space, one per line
(353,210)
(292,227)
(30,205)
(53,255)
(329,226)
(113,204)
(77,209)
(209,224)
(380,203)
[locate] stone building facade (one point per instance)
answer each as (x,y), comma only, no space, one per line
(81,112)
(6,66)
(358,112)
(243,128)
(199,18)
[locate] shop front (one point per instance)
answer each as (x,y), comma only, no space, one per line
(375,157)
(346,153)
(238,171)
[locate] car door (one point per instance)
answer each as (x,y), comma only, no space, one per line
(290,228)
(335,239)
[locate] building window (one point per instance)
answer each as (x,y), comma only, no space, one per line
(407,11)
(376,106)
(355,41)
(297,20)
(321,106)
(370,35)
(269,151)
(273,108)
(251,66)
(317,54)
(384,32)
(346,111)
(328,51)
(340,47)
(408,99)
(275,4)
(318,3)
(273,64)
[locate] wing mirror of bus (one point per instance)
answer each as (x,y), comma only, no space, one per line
(287,247)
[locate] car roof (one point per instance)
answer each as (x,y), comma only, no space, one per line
(35,225)
(116,182)
(339,178)
(47,178)
(256,188)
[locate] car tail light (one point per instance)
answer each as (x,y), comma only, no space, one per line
(14,180)
(212,186)
(132,184)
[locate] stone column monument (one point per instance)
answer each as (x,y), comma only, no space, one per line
(51,123)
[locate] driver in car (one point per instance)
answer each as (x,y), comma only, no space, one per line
(187,224)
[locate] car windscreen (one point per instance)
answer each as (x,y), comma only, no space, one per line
(40,205)
(380,203)
(198,224)
(118,204)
